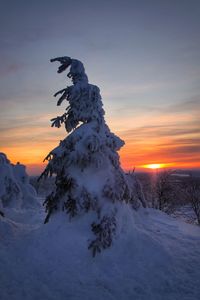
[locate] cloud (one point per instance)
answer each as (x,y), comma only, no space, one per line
(8,68)
(172,137)
(164,130)
(191,105)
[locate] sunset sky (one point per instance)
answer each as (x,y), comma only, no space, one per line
(143,55)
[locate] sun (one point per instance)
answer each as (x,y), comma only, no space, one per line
(154,166)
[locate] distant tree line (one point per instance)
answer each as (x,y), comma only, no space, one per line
(167,189)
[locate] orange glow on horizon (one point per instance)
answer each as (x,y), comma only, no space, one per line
(141,159)
(154,166)
(141,152)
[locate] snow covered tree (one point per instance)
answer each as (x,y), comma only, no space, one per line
(86,165)
(10,193)
(15,190)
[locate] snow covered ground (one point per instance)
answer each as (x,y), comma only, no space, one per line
(186,214)
(154,257)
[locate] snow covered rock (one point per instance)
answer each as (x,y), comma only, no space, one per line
(86,163)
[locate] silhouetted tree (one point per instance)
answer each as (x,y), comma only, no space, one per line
(164,190)
(192,190)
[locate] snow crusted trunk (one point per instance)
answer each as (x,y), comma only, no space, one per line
(86,163)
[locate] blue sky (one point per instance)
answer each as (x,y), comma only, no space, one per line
(144,56)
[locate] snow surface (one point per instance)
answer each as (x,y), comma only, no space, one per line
(185,213)
(153,257)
